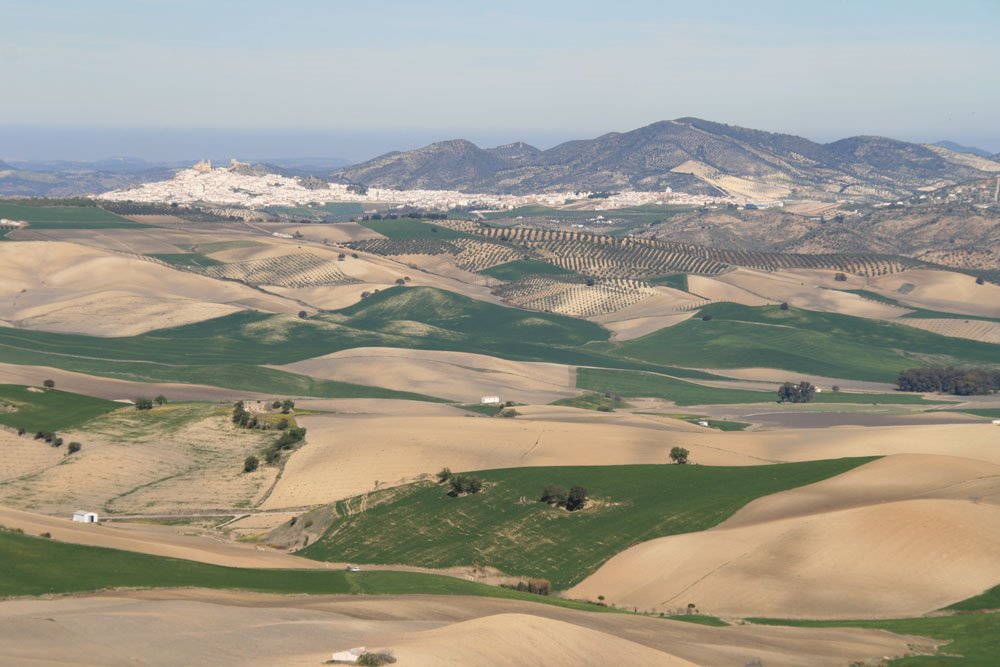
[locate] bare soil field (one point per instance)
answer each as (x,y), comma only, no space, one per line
(940,290)
(459,376)
(716,290)
(73,288)
(350,455)
(910,533)
(799,291)
(242,628)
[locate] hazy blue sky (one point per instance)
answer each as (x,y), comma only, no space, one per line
(352,79)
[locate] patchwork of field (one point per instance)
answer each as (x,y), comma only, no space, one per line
(421,630)
(937,522)
(980,330)
(941,291)
(458,376)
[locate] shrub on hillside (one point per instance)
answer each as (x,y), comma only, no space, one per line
(840,277)
(251,463)
(49,384)
(443,475)
(160,400)
(143,404)
(576,499)
(464,485)
(376,658)
(73,448)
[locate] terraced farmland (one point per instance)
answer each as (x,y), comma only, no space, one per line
(300,270)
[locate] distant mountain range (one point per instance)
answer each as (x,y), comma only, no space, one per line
(687,154)
(959,148)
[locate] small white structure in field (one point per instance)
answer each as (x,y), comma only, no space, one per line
(350,655)
(997,422)
(85,517)
(490,400)
(702,422)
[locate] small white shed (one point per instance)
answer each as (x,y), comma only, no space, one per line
(351,655)
(490,400)
(85,517)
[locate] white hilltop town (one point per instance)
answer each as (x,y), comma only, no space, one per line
(232,186)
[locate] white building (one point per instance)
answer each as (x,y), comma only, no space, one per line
(85,517)
(351,655)
(490,400)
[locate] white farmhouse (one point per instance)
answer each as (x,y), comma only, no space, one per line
(351,655)
(85,517)
(490,400)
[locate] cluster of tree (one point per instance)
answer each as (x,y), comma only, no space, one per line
(403,280)
(49,437)
(148,403)
(601,195)
(802,392)
(366,293)
(536,586)
(950,380)
(285,406)
(412,215)
(287,440)
(573,500)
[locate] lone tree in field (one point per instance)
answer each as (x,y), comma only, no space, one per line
(143,404)
(840,277)
(251,463)
(679,455)
(784,305)
(160,400)
(303,314)
(286,406)
(980,280)
(73,448)
(790,392)
(576,498)
(49,384)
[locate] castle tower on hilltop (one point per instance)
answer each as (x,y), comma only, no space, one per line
(203,166)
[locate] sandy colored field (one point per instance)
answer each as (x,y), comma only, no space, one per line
(799,291)
(25,456)
(716,290)
(901,536)
(217,628)
(349,455)
(114,389)
(940,290)
(670,307)
(179,457)
(141,241)
(981,330)
(459,376)
(68,287)
(346,456)
(339,232)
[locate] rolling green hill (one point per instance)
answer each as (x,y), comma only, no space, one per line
(825,344)
(38,566)
(636,384)
(504,525)
(37,409)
